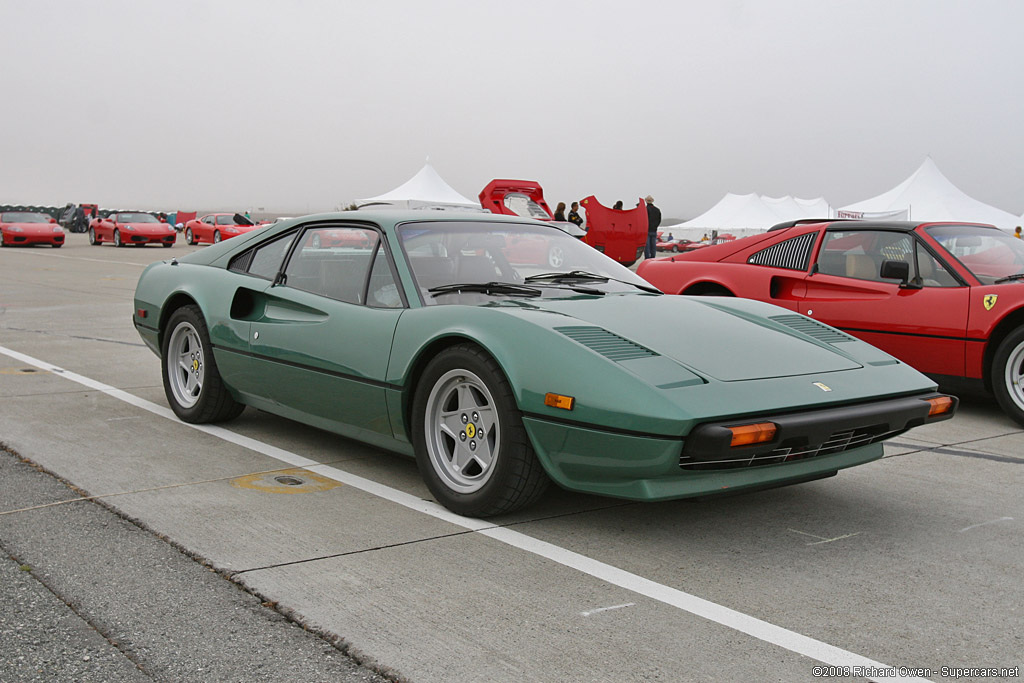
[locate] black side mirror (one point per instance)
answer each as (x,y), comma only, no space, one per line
(897,270)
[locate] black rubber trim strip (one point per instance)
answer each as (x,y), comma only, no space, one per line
(600,428)
(853,330)
(145,327)
(711,441)
(302,366)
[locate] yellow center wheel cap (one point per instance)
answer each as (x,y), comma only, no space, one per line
(471,430)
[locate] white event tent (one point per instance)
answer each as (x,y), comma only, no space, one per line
(747,214)
(927,195)
(425,190)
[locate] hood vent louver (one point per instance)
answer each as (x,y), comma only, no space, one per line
(813,328)
(608,344)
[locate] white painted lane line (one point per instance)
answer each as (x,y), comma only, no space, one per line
(606,609)
(752,626)
(991,521)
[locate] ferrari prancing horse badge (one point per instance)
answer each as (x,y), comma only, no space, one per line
(990,301)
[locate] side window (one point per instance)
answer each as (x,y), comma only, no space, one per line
(208,220)
(859,254)
(931,273)
(382,291)
(333,262)
(792,254)
(265,261)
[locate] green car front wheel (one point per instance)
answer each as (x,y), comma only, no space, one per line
(471,447)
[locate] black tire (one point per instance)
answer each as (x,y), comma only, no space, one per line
(117,239)
(57,245)
(92,237)
(167,245)
(196,392)
(190,237)
(675,248)
(513,478)
(216,236)
(1007,374)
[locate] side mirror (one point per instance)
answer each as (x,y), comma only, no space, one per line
(897,270)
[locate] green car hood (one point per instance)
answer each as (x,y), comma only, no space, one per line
(725,339)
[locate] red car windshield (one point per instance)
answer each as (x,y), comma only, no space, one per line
(23,217)
(136,218)
(989,253)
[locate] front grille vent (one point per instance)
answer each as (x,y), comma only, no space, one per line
(813,328)
(608,344)
(837,442)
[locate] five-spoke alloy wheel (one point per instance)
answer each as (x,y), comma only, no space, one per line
(192,383)
(471,447)
(1008,375)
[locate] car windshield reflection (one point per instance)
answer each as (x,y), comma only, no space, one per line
(989,253)
(444,254)
(136,218)
(23,217)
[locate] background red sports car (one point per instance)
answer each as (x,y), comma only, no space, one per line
(947,298)
(28,227)
(131,227)
(214,227)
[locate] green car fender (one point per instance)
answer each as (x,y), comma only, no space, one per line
(537,359)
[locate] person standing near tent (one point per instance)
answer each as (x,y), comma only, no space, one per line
(560,212)
(653,221)
(574,214)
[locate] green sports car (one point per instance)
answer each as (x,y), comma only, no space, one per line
(447,336)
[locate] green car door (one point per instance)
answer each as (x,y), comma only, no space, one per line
(321,342)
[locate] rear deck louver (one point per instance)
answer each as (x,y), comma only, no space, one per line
(813,328)
(606,343)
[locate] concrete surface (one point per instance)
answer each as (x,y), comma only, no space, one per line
(912,561)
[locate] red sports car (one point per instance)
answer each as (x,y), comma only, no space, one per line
(678,245)
(947,298)
(28,227)
(214,227)
(131,227)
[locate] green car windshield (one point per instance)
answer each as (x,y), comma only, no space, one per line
(532,261)
(992,255)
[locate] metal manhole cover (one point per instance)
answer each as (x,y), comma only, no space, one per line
(295,480)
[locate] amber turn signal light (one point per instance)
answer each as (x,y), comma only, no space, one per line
(559,401)
(939,405)
(748,435)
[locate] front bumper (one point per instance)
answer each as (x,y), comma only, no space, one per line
(641,467)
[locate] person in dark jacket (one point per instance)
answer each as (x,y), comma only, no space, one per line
(574,214)
(653,221)
(560,212)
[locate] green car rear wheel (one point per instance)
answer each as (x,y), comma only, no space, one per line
(192,384)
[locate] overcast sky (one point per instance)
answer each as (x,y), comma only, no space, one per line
(304,106)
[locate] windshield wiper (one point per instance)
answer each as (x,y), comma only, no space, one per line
(582,275)
(1008,278)
(508,288)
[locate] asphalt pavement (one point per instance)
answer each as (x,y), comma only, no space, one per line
(88,595)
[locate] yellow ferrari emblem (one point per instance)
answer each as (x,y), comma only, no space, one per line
(990,301)
(195,365)
(471,430)
(822,386)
